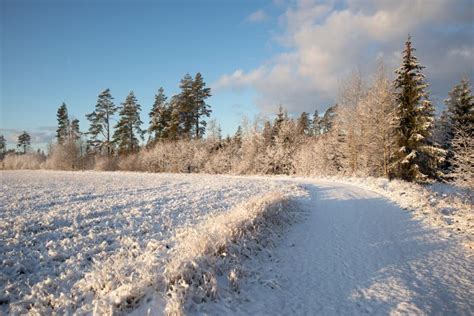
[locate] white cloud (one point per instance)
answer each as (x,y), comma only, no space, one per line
(328,41)
(257,16)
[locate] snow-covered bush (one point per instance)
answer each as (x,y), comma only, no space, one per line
(129,163)
(26,161)
(214,248)
(65,156)
(105,163)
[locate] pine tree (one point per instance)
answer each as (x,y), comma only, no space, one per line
(303,124)
(267,133)
(316,124)
(185,104)
(237,139)
(457,139)
(100,122)
(74,132)
(159,117)
(416,159)
(463,157)
(3,146)
(24,141)
(200,108)
(63,124)
(128,127)
(174,130)
(281,117)
(461,107)
(327,121)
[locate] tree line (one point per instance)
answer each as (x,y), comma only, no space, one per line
(377,127)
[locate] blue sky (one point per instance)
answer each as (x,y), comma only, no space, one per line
(55,51)
(255,54)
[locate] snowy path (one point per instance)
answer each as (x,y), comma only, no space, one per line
(357,253)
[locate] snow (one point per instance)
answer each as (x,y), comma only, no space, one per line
(98,242)
(69,239)
(356,253)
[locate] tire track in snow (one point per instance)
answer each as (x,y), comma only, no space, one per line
(357,253)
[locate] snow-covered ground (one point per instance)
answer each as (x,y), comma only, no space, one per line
(68,238)
(356,253)
(103,242)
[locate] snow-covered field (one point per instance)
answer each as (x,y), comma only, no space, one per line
(69,239)
(141,243)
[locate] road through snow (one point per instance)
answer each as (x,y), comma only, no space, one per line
(356,253)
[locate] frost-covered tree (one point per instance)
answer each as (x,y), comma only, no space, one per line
(24,141)
(200,108)
(328,119)
(316,124)
(214,132)
(128,131)
(377,112)
(3,146)
(415,158)
(159,116)
(303,124)
(100,123)
(460,106)
(458,116)
(267,133)
(279,156)
(463,157)
(62,132)
(349,122)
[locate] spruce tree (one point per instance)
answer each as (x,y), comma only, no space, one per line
(200,108)
(303,124)
(74,132)
(100,122)
(460,107)
(3,146)
(327,121)
(316,124)
(415,158)
(62,131)
(267,134)
(24,141)
(128,127)
(159,117)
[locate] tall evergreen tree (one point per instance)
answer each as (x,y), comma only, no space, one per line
(185,104)
(303,124)
(128,127)
(201,108)
(3,146)
(24,141)
(316,124)
(460,110)
(62,132)
(74,132)
(267,133)
(174,129)
(457,117)
(415,158)
(100,122)
(159,116)
(281,117)
(328,119)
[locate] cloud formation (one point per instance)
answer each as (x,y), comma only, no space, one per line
(39,137)
(327,41)
(257,16)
